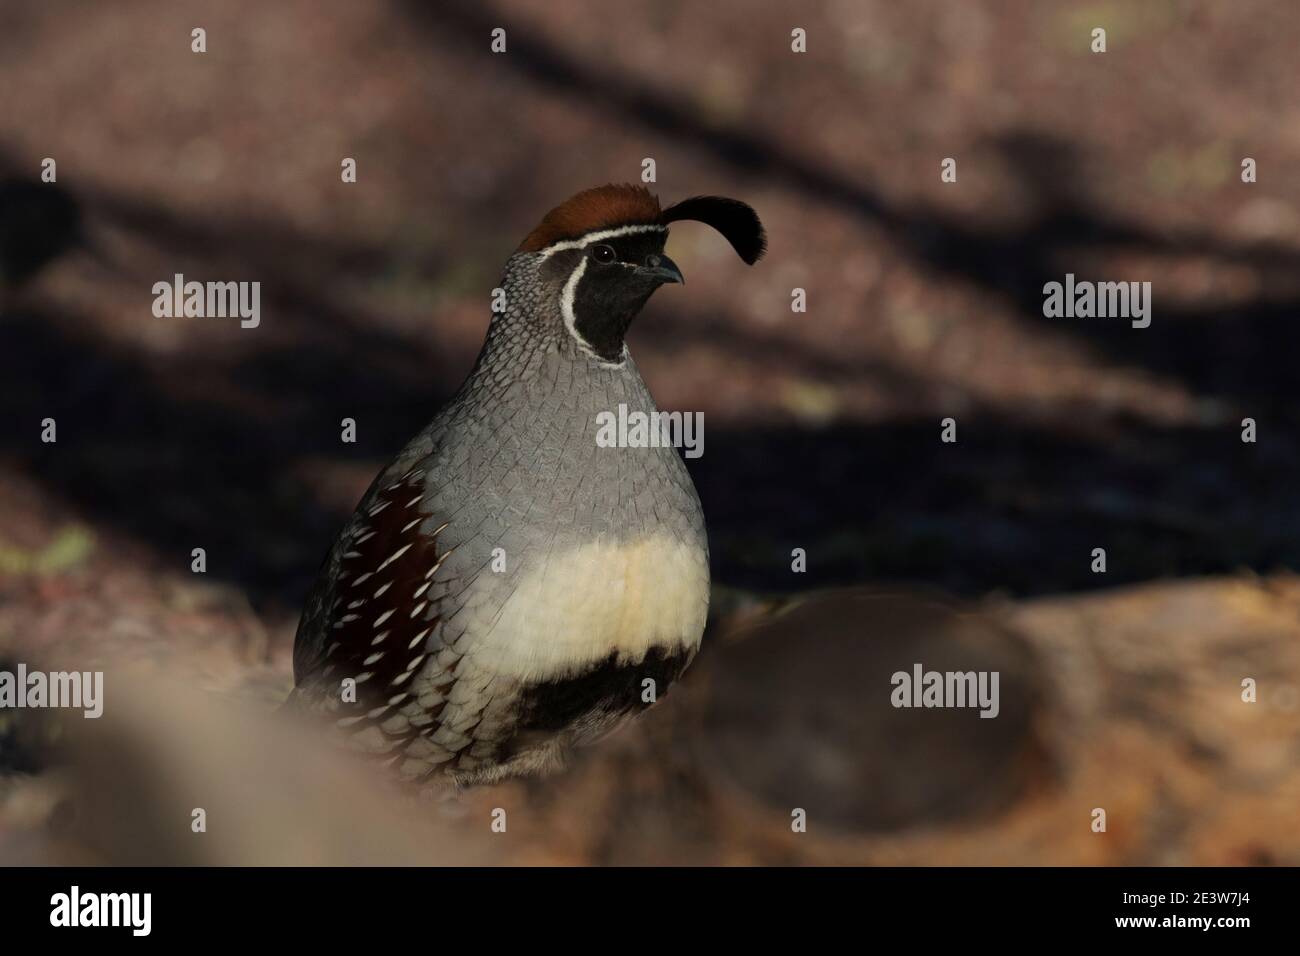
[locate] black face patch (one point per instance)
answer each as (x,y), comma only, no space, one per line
(614,285)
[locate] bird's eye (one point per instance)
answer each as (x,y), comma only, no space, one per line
(603,253)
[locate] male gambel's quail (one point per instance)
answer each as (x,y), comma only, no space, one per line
(506,586)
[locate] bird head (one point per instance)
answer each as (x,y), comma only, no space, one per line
(602,255)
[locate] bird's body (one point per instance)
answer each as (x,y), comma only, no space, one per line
(507,587)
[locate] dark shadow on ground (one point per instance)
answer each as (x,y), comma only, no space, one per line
(1241,352)
(38,223)
(1009,506)
(1013,505)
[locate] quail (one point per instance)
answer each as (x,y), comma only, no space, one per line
(508,588)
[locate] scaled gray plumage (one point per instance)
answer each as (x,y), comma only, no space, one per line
(507,588)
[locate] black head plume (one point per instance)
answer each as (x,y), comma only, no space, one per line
(737,222)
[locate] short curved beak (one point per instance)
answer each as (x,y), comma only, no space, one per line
(661,269)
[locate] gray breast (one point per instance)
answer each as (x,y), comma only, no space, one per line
(546,580)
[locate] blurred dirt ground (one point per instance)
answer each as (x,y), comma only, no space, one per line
(1129,702)
(822,428)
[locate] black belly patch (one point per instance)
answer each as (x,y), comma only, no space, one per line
(610,687)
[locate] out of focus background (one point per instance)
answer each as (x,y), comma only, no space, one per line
(1120,690)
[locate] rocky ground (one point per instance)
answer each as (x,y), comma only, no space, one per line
(1127,701)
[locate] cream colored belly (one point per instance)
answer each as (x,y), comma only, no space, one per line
(577,607)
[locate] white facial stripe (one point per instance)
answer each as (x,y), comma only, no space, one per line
(604,234)
(566,301)
(571,318)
